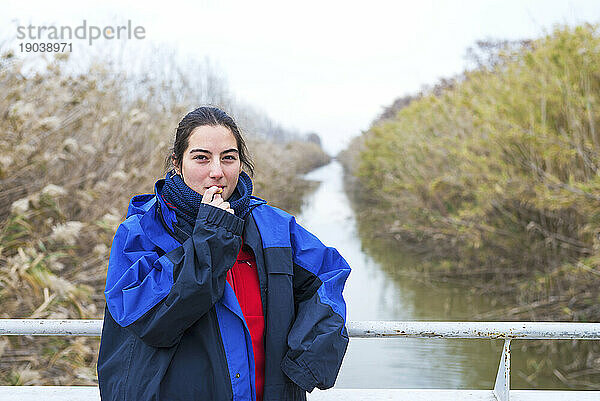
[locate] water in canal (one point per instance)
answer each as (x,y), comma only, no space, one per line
(371,295)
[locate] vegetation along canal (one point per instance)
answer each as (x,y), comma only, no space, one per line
(373,292)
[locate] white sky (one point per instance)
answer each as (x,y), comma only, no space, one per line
(323,66)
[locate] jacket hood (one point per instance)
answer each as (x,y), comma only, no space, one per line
(140,204)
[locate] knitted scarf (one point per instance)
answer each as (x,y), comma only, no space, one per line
(186,201)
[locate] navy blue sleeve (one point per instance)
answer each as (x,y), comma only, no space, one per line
(158,296)
(318,338)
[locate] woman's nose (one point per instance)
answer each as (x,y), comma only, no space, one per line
(215,170)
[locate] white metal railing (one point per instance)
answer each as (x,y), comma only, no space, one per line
(381,329)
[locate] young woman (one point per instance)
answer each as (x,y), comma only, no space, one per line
(212,294)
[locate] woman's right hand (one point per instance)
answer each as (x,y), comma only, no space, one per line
(212,196)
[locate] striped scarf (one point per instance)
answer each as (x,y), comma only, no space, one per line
(186,201)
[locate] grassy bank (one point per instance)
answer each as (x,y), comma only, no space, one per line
(74,149)
(493,178)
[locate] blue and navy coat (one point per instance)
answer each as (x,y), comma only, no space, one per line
(173,328)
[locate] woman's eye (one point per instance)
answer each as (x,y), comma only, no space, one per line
(199,157)
(229,158)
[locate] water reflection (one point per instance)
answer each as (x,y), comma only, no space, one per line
(372,295)
(386,287)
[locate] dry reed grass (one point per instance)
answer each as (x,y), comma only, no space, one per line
(74,149)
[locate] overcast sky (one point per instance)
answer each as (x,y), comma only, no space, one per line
(323,66)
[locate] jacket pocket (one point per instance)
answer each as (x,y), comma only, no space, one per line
(284,392)
(279,261)
(280,279)
(128,369)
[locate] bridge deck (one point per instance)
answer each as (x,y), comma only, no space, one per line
(90,393)
(384,329)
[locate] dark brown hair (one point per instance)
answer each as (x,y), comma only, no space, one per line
(212,116)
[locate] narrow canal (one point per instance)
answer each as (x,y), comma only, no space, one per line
(371,294)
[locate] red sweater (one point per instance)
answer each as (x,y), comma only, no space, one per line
(243,277)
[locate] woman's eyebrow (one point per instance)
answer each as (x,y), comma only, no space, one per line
(198,150)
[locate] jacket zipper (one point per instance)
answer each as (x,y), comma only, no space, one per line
(162,219)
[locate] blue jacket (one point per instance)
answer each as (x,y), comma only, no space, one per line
(173,328)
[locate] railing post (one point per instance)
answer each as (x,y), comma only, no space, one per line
(502,385)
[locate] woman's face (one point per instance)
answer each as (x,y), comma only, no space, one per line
(211,158)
